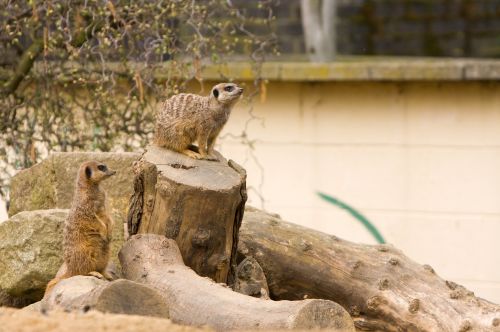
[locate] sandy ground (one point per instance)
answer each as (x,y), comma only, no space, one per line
(13,320)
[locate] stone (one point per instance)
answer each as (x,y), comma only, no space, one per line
(30,252)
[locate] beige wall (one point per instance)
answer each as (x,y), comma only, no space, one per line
(420,160)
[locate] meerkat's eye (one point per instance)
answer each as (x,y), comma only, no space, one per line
(102,168)
(229,88)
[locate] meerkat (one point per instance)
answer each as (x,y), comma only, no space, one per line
(186,117)
(88,227)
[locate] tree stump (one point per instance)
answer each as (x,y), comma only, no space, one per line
(198,203)
(192,300)
(381,288)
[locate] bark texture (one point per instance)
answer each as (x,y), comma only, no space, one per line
(193,300)
(381,288)
(251,280)
(198,203)
(319,18)
(84,293)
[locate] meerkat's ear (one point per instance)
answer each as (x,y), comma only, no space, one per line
(88,172)
(216,93)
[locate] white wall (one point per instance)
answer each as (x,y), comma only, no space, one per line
(420,160)
(3,212)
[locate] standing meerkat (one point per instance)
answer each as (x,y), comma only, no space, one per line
(88,227)
(186,117)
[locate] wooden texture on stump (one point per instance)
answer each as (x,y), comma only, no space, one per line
(251,280)
(198,203)
(381,288)
(194,300)
(84,293)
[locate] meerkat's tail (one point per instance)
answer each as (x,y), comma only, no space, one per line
(52,284)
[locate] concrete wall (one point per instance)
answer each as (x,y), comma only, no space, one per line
(419,160)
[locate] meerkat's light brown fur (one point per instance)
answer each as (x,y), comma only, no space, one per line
(88,227)
(186,117)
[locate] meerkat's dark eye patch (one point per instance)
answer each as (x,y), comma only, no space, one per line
(88,172)
(102,168)
(216,93)
(229,88)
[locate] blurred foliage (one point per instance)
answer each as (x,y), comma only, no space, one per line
(80,75)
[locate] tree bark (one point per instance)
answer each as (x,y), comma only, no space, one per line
(193,300)
(380,287)
(251,280)
(319,19)
(84,293)
(198,203)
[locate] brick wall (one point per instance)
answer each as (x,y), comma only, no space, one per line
(402,27)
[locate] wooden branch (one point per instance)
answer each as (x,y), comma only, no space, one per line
(23,67)
(84,293)
(35,49)
(380,287)
(156,261)
(198,203)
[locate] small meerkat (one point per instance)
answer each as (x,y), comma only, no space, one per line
(185,118)
(88,227)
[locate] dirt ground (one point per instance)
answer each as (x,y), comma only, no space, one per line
(14,320)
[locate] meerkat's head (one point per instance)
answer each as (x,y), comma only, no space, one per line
(226,93)
(94,172)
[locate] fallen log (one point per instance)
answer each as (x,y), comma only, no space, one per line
(192,300)
(380,287)
(84,293)
(198,203)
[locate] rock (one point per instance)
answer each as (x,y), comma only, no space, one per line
(50,184)
(30,252)
(65,291)
(7,300)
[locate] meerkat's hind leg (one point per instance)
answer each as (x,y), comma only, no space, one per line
(98,275)
(210,148)
(108,276)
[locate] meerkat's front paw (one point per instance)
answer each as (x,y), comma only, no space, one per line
(192,154)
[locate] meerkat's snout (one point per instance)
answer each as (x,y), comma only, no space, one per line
(107,172)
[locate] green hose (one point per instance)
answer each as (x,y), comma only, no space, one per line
(371,228)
